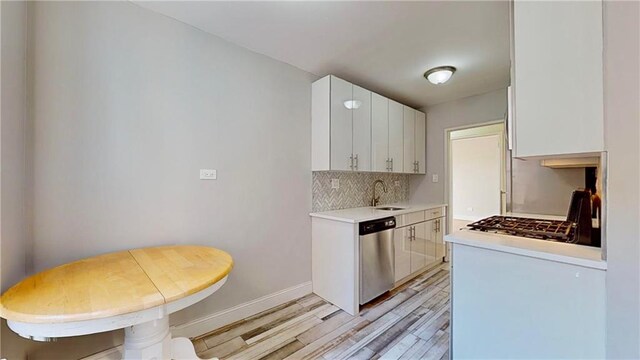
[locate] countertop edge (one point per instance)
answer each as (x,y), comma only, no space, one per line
(455,238)
(410,208)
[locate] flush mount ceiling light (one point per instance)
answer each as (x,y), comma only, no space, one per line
(439,75)
(352,104)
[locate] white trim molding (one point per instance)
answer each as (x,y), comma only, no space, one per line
(214,321)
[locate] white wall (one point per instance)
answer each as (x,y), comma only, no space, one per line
(471,110)
(476,171)
(540,190)
(622,131)
(128,105)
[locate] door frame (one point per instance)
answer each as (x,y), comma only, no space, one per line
(448,180)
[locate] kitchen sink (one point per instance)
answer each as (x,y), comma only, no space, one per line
(389,208)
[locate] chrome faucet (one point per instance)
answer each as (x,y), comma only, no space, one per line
(376,199)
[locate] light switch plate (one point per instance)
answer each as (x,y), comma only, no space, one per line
(434,178)
(208,174)
(335,183)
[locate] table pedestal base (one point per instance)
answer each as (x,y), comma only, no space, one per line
(152,341)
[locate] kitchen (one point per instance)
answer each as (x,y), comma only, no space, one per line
(286,153)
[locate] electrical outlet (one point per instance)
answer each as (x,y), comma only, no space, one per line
(396,183)
(335,184)
(434,178)
(208,174)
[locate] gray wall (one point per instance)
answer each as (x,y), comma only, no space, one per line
(540,190)
(13,168)
(13,130)
(622,130)
(468,111)
(127,106)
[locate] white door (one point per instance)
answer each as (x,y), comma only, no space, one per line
(476,172)
(419,246)
(362,129)
(409,116)
(341,125)
(402,248)
(421,151)
(379,132)
(396,136)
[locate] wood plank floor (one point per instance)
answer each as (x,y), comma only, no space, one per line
(410,322)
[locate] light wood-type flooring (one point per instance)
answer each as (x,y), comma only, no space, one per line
(410,322)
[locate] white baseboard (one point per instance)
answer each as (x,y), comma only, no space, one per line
(206,324)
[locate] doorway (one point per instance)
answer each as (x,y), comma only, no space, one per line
(476,174)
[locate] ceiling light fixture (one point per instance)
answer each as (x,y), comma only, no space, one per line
(439,75)
(352,104)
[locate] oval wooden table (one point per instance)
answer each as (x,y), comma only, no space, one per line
(134,290)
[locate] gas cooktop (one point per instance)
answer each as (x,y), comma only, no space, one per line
(555,230)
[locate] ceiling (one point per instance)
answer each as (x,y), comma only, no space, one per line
(381,46)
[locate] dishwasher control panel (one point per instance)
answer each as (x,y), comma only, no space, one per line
(373,226)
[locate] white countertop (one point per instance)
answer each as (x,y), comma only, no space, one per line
(549,250)
(356,215)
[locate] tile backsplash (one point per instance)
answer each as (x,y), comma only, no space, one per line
(356,189)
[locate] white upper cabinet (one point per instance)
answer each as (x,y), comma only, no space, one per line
(379,133)
(361,129)
(558,77)
(354,129)
(409,153)
(421,142)
(396,136)
(341,125)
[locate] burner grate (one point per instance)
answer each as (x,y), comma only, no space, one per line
(533,228)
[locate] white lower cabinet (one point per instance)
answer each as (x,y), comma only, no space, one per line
(420,243)
(402,240)
(418,246)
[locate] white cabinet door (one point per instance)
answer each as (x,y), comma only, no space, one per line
(419,245)
(438,238)
(341,125)
(409,116)
(421,151)
(558,82)
(379,133)
(362,129)
(396,136)
(402,248)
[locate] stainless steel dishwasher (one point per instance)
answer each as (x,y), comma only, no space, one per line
(377,258)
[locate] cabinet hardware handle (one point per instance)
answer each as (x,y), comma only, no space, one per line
(391,164)
(387,162)
(417,166)
(356,162)
(351,161)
